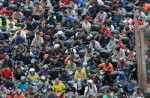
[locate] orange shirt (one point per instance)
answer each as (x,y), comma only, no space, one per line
(106,68)
(20,96)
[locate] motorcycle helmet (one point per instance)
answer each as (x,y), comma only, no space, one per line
(32,70)
(19,91)
(23,77)
(33,60)
(56,46)
(43,78)
(45,66)
(90,81)
(46,56)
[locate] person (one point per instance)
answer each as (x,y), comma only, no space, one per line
(18,15)
(132,86)
(71,91)
(58,86)
(88,56)
(121,78)
(19,94)
(80,73)
(58,41)
(44,71)
(7,72)
(71,12)
(94,45)
(64,77)
(108,68)
(37,41)
(68,17)
(116,17)
(33,76)
(80,3)
(3,90)
(105,30)
(138,93)
(107,94)
(71,65)
(56,63)
(91,89)
(100,38)
(9,84)
(51,93)
(2,9)
(18,74)
(118,54)
(86,25)
(23,84)
(46,4)
(34,52)
(30,25)
(19,40)
(132,54)
(101,15)
(11,28)
(38,10)
(7,62)
(53,74)
(26,58)
(112,43)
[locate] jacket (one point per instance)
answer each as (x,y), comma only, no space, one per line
(95,46)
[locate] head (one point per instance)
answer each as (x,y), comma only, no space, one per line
(65,13)
(32,71)
(27,53)
(37,5)
(71,61)
(118,49)
(7,57)
(92,73)
(79,68)
(30,19)
(50,90)
(120,7)
(19,92)
(23,79)
(64,73)
(108,92)
(32,48)
(21,45)
(18,35)
(5,43)
(52,68)
(139,91)
(90,82)
(38,35)
(101,10)
(103,26)
(132,81)
(57,81)
(69,9)
(55,59)
(107,63)
(43,21)
(86,20)
(92,40)
(19,29)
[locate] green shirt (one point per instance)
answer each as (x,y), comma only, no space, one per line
(73,66)
(105,96)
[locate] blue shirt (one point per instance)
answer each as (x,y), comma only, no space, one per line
(22,86)
(9,85)
(69,19)
(131,86)
(6,49)
(1,36)
(80,2)
(35,52)
(18,41)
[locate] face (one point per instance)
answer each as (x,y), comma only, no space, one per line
(112,38)
(56,80)
(106,63)
(79,68)
(56,40)
(37,35)
(85,20)
(5,44)
(43,22)
(7,57)
(19,29)
(103,26)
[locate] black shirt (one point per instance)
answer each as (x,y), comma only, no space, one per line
(53,75)
(18,76)
(30,27)
(58,64)
(71,89)
(26,60)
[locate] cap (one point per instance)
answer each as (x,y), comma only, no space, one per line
(23,77)
(32,70)
(45,66)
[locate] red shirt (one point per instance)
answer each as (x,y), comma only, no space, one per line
(9,13)
(106,30)
(6,73)
(121,46)
(3,11)
(65,1)
(139,22)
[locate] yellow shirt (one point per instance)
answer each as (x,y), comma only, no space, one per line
(81,74)
(58,87)
(33,78)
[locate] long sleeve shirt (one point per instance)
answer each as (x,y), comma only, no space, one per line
(102,16)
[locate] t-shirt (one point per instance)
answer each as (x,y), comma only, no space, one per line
(6,73)
(34,77)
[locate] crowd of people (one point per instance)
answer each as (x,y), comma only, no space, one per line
(69,48)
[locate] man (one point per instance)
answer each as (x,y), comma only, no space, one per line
(138,93)
(58,86)
(27,58)
(100,38)
(7,62)
(65,77)
(71,65)
(122,12)
(80,73)
(71,12)
(132,86)
(17,15)
(94,45)
(91,89)
(6,48)
(101,15)
(51,94)
(80,3)
(112,43)
(68,17)
(2,9)
(141,15)
(118,53)
(34,52)
(23,84)
(105,30)
(7,72)
(9,84)
(37,41)
(57,41)
(53,74)
(3,90)
(30,25)
(38,10)
(33,76)
(19,94)
(22,33)
(56,63)
(19,40)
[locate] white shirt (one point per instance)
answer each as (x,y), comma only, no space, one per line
(90,90)
(128,21)
(86,26)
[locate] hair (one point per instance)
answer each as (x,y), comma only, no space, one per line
(64,12)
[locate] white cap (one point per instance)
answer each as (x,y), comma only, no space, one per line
(60,32)
(23,77)
(90,81)
(32,70)
(45,66)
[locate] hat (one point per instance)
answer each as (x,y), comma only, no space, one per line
(90,81)
(23,77)
(45,66)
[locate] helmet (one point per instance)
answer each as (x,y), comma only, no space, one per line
(46,56)
(18,91)
(45,66)
(90,81)
(32,70)
(43,78)
(33,60)
(23,77)
(56,46)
